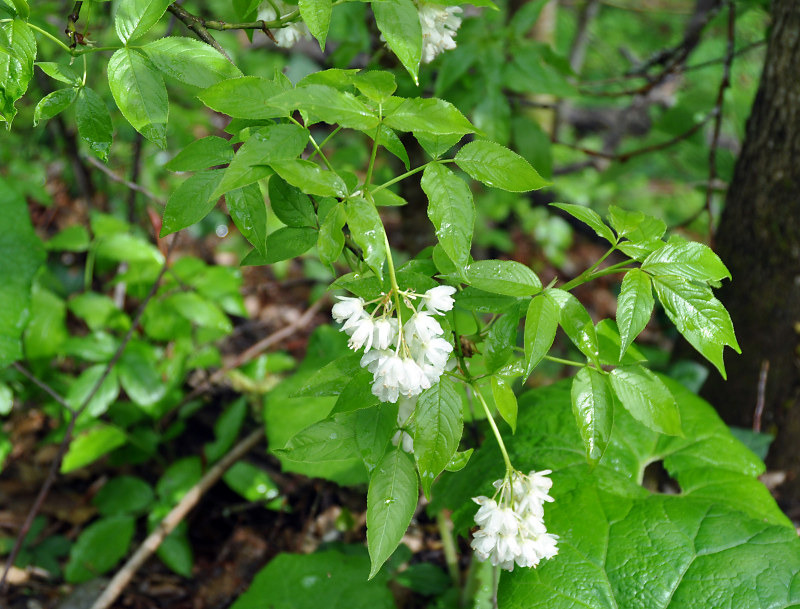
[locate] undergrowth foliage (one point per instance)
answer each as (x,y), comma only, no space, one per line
(429,342)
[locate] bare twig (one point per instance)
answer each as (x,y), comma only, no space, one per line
(44,387)
(132,185)
(762,387)
(176,515)
(52,473)
(196,25)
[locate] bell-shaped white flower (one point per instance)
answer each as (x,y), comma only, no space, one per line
(362,335)
(439,299)
(422,327)
(385,333)
(347,308)
(290,33)
(439,26)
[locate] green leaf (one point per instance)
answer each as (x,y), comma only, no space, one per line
(480,301)
(191,201)
(593,407)
(640,249)
(377,85)
(134,18)
(357,394)
(459,460)
(16,64)
(699,317)
(202,154)
(499,167)
(283,244)
(367,231)
(94,123)
(589,217)
(374,428)
(292,207)
(91,444)
(226,430)
(22,8)
(541,323)
(99,548)
(333,439)
(251,163)
(430,116)
(503,277)
(647,398)
(436,145)
(330,241)
(249,213)
(310,178)
(139,375)
(501,340)
(451,210)
(326,104)
(438,427)
(332,378)
(317,16)
(54,103)
(389,140)
(634,308)
(245,97)
(140,94)
(59,72)
(178,479)
(505,401)
(398,21)
(190,61)
(635,225)
(201,311)
(176,551)
(391,502)
(21,255)
(82,387)
(251,482)
(6,401)
(300,581)
(123,495)
(689,259)
(577,324)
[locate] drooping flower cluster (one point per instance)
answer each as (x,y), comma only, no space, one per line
(513,530)
(404,358)
(439,26)
(289,34)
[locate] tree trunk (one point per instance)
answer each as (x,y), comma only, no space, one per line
(759,240)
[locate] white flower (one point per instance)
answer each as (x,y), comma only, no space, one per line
(421,326)
(374,359)
(347,308)
(290,33)
(363,333)
(439,299)
(435,352)
(413,381)
(385,333)
(439,26)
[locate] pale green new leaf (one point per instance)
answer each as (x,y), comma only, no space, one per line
(368,233)
(499,167)
(438,427)
(134,18)
(451,210)
(391,502)
(190,61)
(634,308)
(699,317)
(593,407)
(140,94)
(647,398)
(398,21)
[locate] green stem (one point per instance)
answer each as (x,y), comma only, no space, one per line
(368,178)
(587,275)
(493,425)
(401,177)
(325,141)
(95,50)
(449,547)
(566,362)
(393,281)
(50,36)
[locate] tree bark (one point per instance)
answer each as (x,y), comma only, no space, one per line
(759,239)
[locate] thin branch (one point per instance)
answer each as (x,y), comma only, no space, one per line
(55,466)
(175,517)
(762,389)
(132,185)
(197,26)
(44,387)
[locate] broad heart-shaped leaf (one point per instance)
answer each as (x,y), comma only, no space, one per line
(330,241)
(647,398)
(251,162)
(323,103)
(576,322)
(499,167)
(317,16)
(699,317)
(430,116)
(722,539)
(590,218)
(503,277)
(140,94)
(689,259)
(99,547)
(54,103)
(451,210)
(391,502)
(438,430)
(190,61)
(292,207)
(135,17)
(17,53)
(310,178)
(541,323)
(245,97)
(333,439)
(593,407)
(249,213)
(202,154)
(634,308)
(21,255)
(367,231)
(398,21)
(94,122)
(191,201)
(302,581)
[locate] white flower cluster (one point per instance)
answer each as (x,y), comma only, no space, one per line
(439,26)
(404,359)
(290,33)
(513,531)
